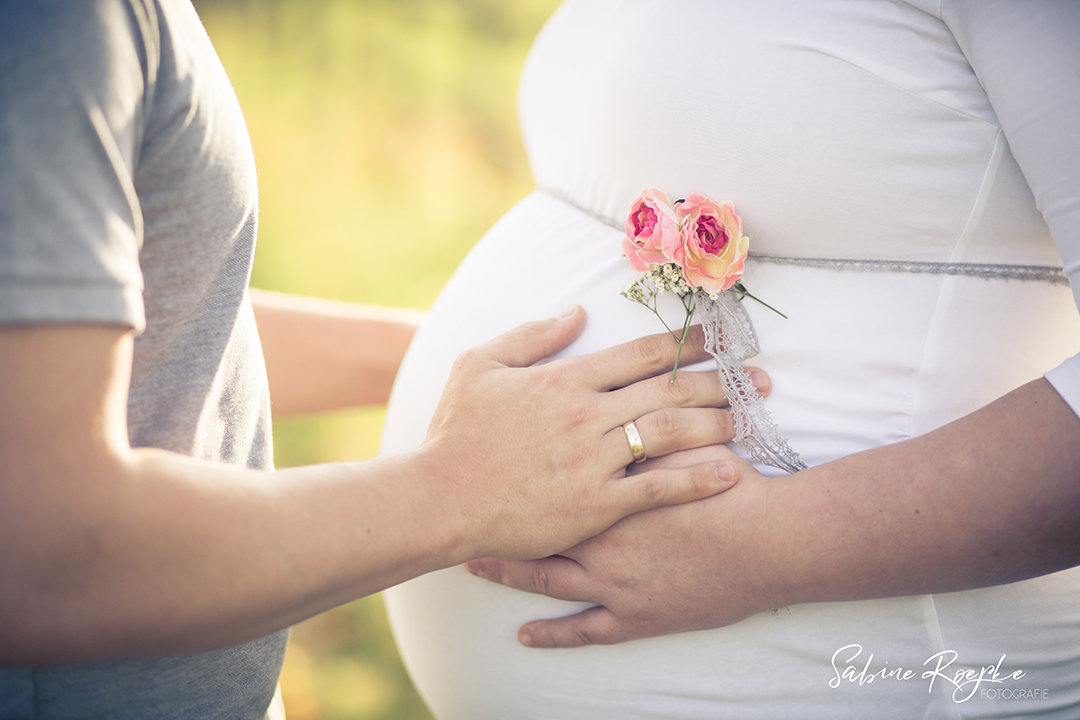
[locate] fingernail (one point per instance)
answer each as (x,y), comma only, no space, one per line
(726,473)
(568,311)
(761,381)
(526,639)
(475,567)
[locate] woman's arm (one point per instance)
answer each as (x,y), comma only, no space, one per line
(356,349)
(108,550)
(989,499)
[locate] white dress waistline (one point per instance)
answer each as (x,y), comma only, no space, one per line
(990,271)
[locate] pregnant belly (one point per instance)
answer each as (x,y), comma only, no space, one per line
(862,360)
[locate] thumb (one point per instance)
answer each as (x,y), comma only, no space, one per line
(533,341)
(595,626)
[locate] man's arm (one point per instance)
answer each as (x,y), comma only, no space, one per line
(108,550)
(323,355)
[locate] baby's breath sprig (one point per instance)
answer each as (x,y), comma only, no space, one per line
(656,281)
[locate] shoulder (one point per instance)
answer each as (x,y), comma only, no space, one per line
(75,36)
(60,57)
(74,78)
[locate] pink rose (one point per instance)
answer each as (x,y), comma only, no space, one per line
(651,231)
(711,248)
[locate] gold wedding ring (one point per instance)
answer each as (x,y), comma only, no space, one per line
(634,438)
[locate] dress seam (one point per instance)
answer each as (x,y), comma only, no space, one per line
(908,91)
(981,197)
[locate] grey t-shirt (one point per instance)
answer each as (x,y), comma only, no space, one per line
(128,195)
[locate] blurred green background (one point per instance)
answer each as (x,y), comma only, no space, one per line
(385,134)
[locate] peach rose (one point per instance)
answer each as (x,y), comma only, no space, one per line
(711,248)
(651,231)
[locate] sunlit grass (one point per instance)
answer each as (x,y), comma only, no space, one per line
(385,134)
(386,141)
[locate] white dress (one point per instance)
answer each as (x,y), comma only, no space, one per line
(851,129)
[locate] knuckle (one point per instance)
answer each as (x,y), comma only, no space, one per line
(681,390)
(695,339)
(534,329)
(725,424)
(557,377)
(670,423)
(650,353)
(533,326)
(701,482)
(534,333)
(577,416)
(655,487)
(464,360)
(583,637)
(541,581)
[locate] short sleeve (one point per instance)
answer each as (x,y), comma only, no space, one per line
(1066,380)
(74,78)
(1027,57)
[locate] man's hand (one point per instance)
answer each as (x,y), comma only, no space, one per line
(535,455)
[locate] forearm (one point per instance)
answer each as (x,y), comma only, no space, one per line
(323,355)
(158,553)
(110,551)
(989,499)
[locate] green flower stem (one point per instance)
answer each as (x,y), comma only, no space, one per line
(741,289)
(688,303)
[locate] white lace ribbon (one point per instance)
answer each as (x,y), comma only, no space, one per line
(731,340)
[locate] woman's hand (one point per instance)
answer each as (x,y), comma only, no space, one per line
(991,498)
(655,573)
(533,457)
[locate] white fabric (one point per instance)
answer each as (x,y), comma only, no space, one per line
(1066,380)
(862,129)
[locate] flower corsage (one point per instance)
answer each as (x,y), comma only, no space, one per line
(695,249)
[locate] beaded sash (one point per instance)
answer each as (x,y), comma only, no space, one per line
(1036,273)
